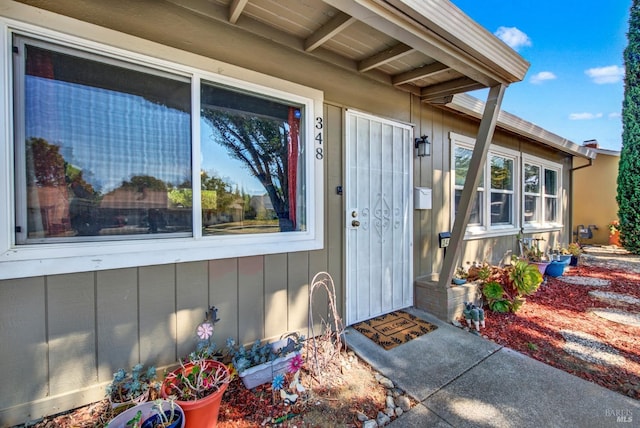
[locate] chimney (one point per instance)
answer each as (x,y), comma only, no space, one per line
(591,143)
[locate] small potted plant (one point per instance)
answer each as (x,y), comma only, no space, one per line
(167,414)
(460,276)
(152,414)
(575,250)
(199,382)
(533,254)
(134,387)
(614,233)
(260,363)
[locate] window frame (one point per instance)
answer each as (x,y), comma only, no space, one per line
(26,260)
(486,229)
(543,165)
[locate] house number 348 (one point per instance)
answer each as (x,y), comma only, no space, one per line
(318,138)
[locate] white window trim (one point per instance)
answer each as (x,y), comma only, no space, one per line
(542,225)
(486,230)
(46,259)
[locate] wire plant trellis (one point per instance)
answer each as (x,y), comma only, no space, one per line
(332,337)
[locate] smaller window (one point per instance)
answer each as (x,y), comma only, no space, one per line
(541,193)
(493,210)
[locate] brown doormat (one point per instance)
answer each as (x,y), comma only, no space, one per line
(396,328)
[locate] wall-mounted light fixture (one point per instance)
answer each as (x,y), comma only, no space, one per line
(423,146)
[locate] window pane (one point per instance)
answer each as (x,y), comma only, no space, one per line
(462,160)
(253,164)
(501,208)
(107,150)
(475,218)
(531,178)
(551,210)
(501,173)
(550,182)
(531,209)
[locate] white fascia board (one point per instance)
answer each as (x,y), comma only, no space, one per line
(474,107)
(447,20)
(413,29)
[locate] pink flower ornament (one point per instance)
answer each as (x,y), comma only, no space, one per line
(204,330)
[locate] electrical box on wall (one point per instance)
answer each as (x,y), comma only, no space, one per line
(422,198)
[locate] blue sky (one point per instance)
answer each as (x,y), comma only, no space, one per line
(574,86)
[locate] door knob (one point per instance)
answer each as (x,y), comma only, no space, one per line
(355,223)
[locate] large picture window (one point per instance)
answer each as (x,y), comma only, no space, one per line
(163,160)
(103,149)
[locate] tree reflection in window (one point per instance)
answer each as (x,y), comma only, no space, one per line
(261,141)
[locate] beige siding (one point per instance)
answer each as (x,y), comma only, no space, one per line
(23,338)
(71,331)
(117,321)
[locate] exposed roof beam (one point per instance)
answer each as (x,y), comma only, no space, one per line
(235,10)
(455,86)
(509,67)
(334,26)
(384,57)
(419,73)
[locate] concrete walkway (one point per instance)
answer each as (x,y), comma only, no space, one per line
(463,380)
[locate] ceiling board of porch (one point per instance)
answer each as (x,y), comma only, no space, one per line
(385,40)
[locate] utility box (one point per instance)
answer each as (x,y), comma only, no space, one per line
(422,198)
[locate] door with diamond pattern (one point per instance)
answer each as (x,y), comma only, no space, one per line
(379,243)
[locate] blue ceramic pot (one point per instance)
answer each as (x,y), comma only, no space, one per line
(155,420)
(555,268)
(459,281)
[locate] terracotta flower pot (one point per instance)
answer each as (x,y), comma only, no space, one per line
(614,238)
(203,412)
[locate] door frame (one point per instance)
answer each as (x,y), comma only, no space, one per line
(349,318)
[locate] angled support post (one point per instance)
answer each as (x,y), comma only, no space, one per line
(478,159)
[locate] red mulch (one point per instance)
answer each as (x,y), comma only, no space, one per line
(535,329)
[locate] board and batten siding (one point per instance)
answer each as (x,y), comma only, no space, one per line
(63,336)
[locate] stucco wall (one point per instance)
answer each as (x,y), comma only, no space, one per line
(594,195)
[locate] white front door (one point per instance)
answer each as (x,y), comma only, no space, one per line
(379,243)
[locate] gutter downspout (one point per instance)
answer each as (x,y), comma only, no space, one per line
(571,225)
(478,158)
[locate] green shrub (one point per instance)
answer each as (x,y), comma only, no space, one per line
(518,280)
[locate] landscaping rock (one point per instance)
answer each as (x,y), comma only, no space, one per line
(382,419)
(390,402)
(404,403)
(387,383)
(370,424)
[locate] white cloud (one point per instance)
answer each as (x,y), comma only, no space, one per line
(614,115)
(513,37)
(542,76)
(608,74)
(584,116)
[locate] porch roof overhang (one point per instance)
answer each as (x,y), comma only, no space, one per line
(473,107)
(430,49)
